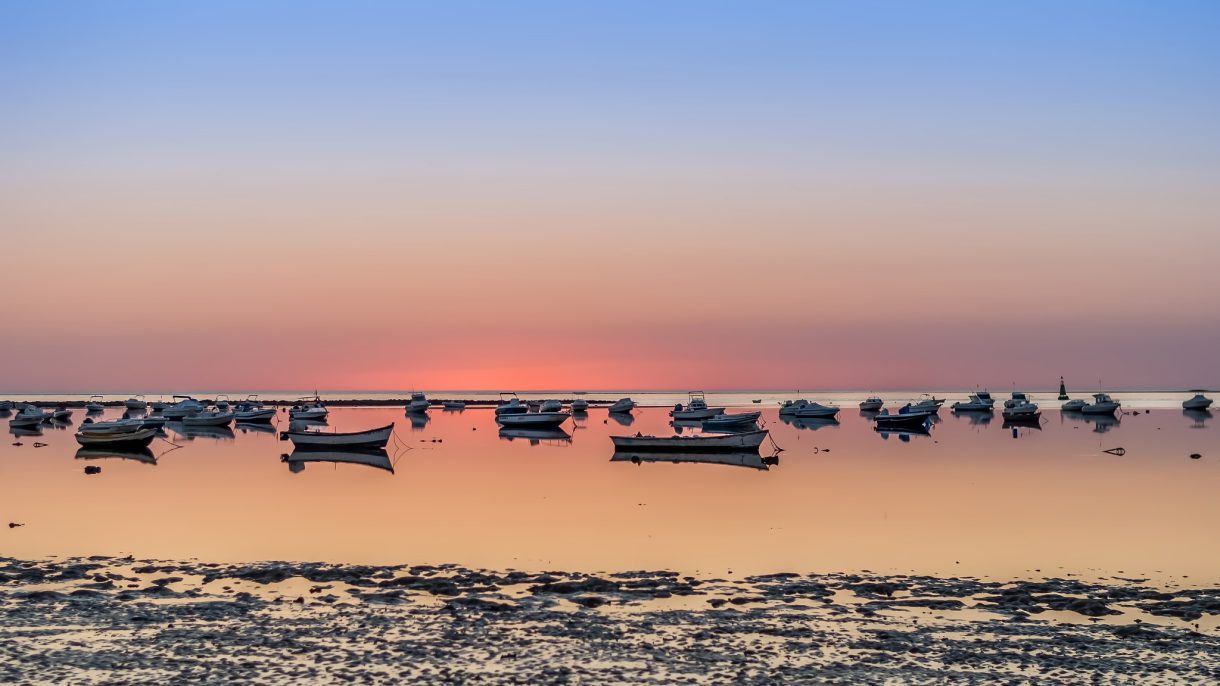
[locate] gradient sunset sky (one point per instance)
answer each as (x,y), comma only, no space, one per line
(864,194)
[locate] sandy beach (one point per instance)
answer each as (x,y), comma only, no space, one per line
(124,621)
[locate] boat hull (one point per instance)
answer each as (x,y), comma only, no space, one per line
(255,416)
(317,440)
(690,444)
(537,420)
(140,438)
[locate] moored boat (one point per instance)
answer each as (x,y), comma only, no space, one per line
(308,408)
(580,405)
(29,416)
(183,406)
(905,417)
(973,404)
(252,411)
(551,406)
(453,405)
(731,421)
(135,438)
(1198,402)
(111,427)
(324,440)
(872,404)
(1102,404)
(533,419)
(510,404)
(136,402)
(94,405)
(687,444)
(1021,411)
(808,410)
(210,418)
(623,405)
(61,414)
(1074,405)
(418,403)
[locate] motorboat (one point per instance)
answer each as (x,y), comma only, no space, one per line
(731,421)
(1074,405)
(1021,411)
(183,406)
(927,403)
(418,403)
(751,460)
(325,440)
(136,402)
(29,416)
(985,396)
(580,405)
(252,411)
(805,409)
(94,405)
(137,438)
(1018,397)
(159,405)
(1198,402)
(453,405)
(370,458)
(1102,404)
(61,414)
(906,417)
(113,426)
(732,442)
(696,408)
(222,403)
(308,408)
(973,404)
(510,404)
(872,404)
(6,405)
(533,419)
(551,406)
(214,417)
(623,405)
(534,435)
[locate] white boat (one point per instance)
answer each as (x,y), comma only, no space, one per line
(1198,402)
(743,458)
(1021,411)
(29,416)
(184,406)
(323,440)
(624,405)
(1074,405)
(453,405)
(731,421)
(551,406)
(696,408)
(1018,397)
(872,403)
(114,426)
(210,418)
(418,403)
(973,404)
(533,419)
(580,405)
(907,417)
(511,405)
(95,405)
(1102,404)
(308,408)
(927,403)
(134,438)
(807,410)
(252,411)
(370,458)
(733,442)
(135,403)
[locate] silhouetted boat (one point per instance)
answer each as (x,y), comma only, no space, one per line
(511,405)
(580,405)
(251,411)
(418,403)
(94,405)
(1198,402)
(805,409)
(733,442)
(454,405)
(1021,411)
(324,440)
(114,426)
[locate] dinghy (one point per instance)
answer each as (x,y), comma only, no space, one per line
(733,442)
(322,440)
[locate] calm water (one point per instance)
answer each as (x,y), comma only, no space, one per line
(971,498)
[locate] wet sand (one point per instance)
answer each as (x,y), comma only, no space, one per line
(119,620)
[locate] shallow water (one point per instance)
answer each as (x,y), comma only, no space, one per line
(970,499)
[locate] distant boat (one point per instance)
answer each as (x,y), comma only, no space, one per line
(1074,405)
(370,458)
(136,402)
(418,403)
(733,442)
(308,408)
(624,405)
(696,408)
(580,405)
(1018,397)
(209,418)
(540,420)
(453,405)
(756,401)
(159,405)
(1021,411)
(751,460)
(94,405)
(221,402)
(6,405)
(252,411)
(805,409)
(323,440)
(138,438)
(29,416)
(928,403)
(872,404)
(184,406)
(1198,402)
(61,414)
(510,405)
(731,421)
(973,404)
(906,417)
(551,406)
(1102,404)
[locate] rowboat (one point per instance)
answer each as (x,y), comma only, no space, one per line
(136,438)
(688,444)
(323,440)
(418,403)
(751,460)
(537,420)
(371,458)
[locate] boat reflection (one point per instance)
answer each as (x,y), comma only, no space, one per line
(142,455)
(256,428)
(556,436)
(904,434)
(622,418)
(750,460)
(306,424)
(25,430)
(58,424)
(419,420)
(813,423)
(691,425)
(369,458)
(1101,422)
(1198,418)
(190,433)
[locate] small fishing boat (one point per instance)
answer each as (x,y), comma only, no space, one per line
(308,408)
(114,426)
(418,403)
(696,408)
(804,408)
(624,405)
(906,417)
(370,458)
(209,418)
(872,404)
(733,442)
(1074,405)
(580,405)
(183,406)
(324,440)
(742,458)
(454,405)
(135,402)
(731,421)
(29,416)
(1021,411)
(1198,402)
(131,439)
(94,405)
(510,404)
(1102,404)
(551,406)
(533,419)
(973,404)
(252,411)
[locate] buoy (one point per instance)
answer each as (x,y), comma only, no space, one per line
(1063,392)
(1116,451)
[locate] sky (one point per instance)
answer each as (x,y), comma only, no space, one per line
(375,195)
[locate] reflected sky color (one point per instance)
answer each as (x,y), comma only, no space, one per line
(652,195)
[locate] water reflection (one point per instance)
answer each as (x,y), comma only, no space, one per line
(419,420)
(190,433)
(741,459)
(25,430)
(811,424)
(976,417)
(143,455)
(554,436)
(257,428)
(1198,418)
(622,418)
(378,459)
(905,434)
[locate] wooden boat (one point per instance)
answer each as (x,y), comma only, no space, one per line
(376,457)
(324,440)
(137,438)
(535,420)
(750,460)
(733,442)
